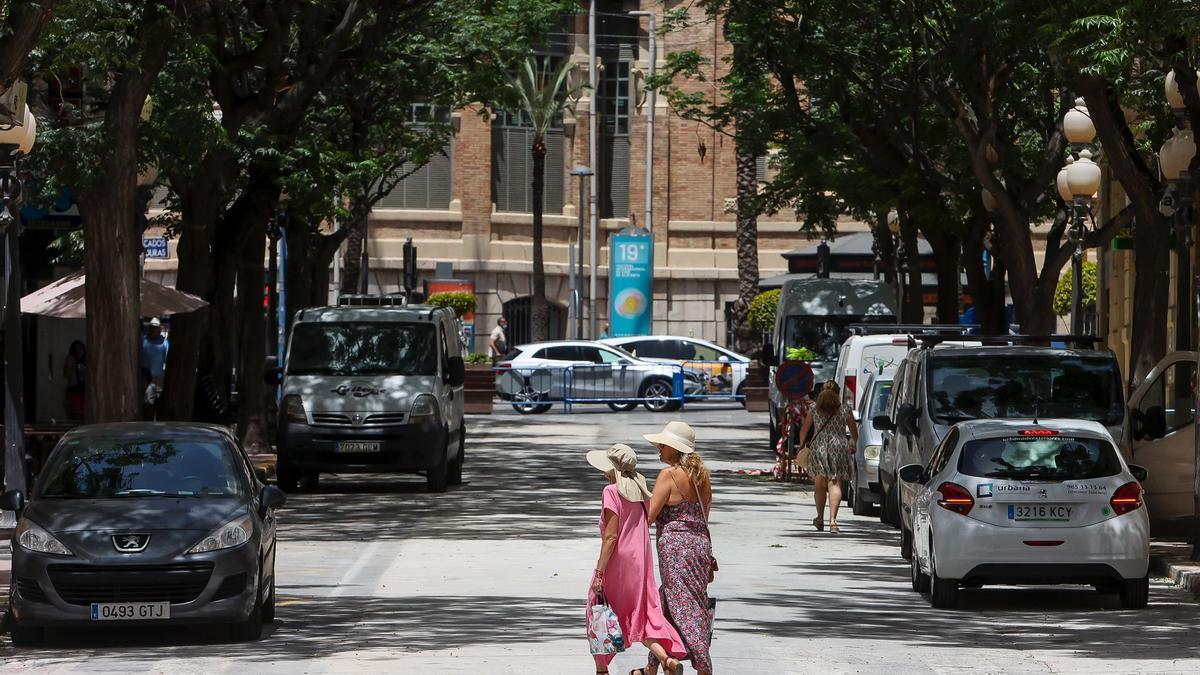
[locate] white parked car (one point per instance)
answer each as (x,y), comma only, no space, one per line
(1004,502)
(726,369)
(864,492)
(535,375)
(864,355)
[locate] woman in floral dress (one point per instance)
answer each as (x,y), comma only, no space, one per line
(831,452)
(679,505)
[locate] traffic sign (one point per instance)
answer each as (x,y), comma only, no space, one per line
(156,247)
(794,379)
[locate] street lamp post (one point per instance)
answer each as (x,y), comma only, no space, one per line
(1175,158)
(1081,178)
(580,172)
(15,141)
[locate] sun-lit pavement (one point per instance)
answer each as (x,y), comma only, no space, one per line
(375,575)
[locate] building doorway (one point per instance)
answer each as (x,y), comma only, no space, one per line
(519,312)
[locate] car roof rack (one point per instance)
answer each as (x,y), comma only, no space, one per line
(1078,341)
(372,301)
(911,328)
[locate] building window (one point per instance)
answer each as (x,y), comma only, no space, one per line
(614,103)
(428,187)
(512,164)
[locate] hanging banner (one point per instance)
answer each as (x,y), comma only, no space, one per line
(631,283)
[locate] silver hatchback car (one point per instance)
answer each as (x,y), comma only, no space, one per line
(144,524)
(865,491)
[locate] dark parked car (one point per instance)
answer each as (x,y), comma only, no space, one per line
(146,524)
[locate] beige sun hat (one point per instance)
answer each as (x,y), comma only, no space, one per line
(677,435)
(622,461)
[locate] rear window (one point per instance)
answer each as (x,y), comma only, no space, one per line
(881,358)
(1039,458)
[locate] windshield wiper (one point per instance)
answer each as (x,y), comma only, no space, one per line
(140,492)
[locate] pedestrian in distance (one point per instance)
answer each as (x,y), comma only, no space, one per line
(498,341)
(679,505)
(604,333)
(624,573)
(75,373)
(154,351)
(831,452)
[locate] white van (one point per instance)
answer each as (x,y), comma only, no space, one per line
(373,389)
(865,355)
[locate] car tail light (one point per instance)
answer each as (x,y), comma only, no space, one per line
(955,498)
(1127,498)
(848,391)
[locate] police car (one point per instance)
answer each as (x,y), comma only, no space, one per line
(1010,502)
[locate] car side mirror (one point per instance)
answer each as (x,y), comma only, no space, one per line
(1139,472)
(883,423)
(271,497)
(768,357)
(456,373)
(912,473)
(13,500)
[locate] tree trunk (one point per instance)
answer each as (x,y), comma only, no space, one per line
(946,256)
(747,253)
(253,341)
(912,306)
(987,294)
(539,315)
(356,240)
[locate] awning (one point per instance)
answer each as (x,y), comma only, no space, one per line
(64,299)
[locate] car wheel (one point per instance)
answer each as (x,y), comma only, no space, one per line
(454,476)
(906,543)
(286,476)
(250,629)
(268,605)
(438,475)
(623,407)
(1135,593)
(526,402)
(658,396)
(920,580)
(862,506)
(943,593)
(310,481)
(741,394)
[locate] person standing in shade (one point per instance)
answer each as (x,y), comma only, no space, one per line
(75,373)
(154,351)
(624,573)
(604,334)
(831,451)
(498,342)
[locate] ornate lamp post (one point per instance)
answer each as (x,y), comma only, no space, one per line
(15,142)
(1082,180)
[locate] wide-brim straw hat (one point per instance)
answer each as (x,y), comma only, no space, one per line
(622,461)
(677,435)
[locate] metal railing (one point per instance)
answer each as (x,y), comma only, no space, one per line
(537,389)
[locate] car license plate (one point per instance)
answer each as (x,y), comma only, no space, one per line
(358,446)
(1044,513)
(130,611)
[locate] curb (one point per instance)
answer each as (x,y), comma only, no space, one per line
(1184,573)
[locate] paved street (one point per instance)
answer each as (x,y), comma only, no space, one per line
(376,575)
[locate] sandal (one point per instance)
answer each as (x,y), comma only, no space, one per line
(817,523)
(833,528)
(676,669)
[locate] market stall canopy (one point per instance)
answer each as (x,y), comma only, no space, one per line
(64,299)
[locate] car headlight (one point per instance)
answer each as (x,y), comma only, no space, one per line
(34,538)
(233,533)
(424,408)
(871,452)
(293,409)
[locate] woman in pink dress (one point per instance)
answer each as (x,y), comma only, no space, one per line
(625,570)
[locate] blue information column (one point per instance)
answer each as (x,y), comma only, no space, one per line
(631,283)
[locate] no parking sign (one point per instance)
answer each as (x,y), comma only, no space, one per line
(794,379)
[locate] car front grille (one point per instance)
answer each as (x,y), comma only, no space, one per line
(31,590)
(330,419)
(85,584)
(325,419)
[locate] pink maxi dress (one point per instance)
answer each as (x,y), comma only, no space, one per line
(629,580)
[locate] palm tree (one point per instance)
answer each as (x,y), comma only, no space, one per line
(542,94)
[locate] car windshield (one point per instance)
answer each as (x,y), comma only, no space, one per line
(365,348)
(966,387)
(102,468)
(1039,458)
(879,400)
(822,334)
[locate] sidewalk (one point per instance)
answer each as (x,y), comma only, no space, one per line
(1171,559)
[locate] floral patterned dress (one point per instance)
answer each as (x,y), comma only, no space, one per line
(685,563)
(830,448)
